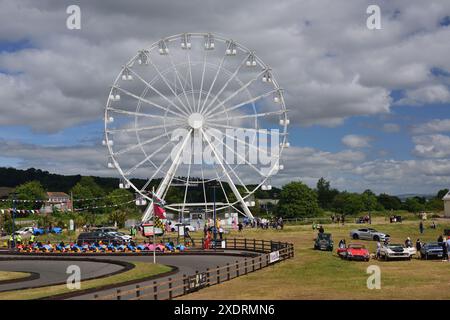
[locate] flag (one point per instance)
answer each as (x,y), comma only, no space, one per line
(159,211)
(159,224)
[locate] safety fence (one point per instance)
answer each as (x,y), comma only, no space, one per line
(267,253)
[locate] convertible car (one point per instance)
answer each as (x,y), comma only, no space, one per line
(354,251)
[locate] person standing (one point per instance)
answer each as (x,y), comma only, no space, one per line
(240,226)
(448,248)
(440,239)
(418,246)
(444,250)
(421,227)
(378,249)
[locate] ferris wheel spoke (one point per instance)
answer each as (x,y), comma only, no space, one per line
(238,155)
(204,188)
(221,185)
(143,143)
(231,96)
(256,115)
(128,93)
(140,114)
(158,169)
(217,125)
(187,184)
(158,92)
(181,83)
(220,159)
(213,82)
(159,126)
(201,82)
(241,104)
(166,82)
(192,82)
(226,84)
(135,167)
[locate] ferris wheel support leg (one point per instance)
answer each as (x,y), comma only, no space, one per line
(165,183)
(230,181)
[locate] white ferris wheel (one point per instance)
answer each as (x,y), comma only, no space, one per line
(188,112)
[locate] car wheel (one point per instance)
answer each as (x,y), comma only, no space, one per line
(355,236)
(376,238)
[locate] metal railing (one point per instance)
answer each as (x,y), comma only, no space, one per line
(271,252)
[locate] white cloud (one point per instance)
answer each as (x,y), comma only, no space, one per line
(433,126)
(432,146)
(391,127)
(356,141)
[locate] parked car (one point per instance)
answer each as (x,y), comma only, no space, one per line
(354,251)
(324,241)
(431,250)
(24,231)
(121,235)
(97,236)
(174,228)
(394,251)
(368,234)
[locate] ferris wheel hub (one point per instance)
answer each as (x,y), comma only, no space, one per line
(195,120)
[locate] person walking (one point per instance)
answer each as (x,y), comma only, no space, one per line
(221,233)
(440,239)
(421,227)
(240,226)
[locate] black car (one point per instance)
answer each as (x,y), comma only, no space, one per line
(97,236)
(324,241)
(431,250)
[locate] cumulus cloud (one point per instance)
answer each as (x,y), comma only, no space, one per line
(433,126)
(356,141)
(432,146)
(391,127)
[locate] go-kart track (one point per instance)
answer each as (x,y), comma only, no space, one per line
(50,269)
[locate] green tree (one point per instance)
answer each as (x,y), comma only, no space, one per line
(441,193)
(325,194)
(119,217)
(389,202)
(297,200)
(435,204)
(370,200)
(413,205)
(347,203)
(32,190)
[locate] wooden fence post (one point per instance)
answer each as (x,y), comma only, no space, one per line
(138,291)
(245,265)
(218,274)
(170,288)
(234,243)
(155,290)
(184,284)
(207,277)
(253,264)
(254,244)
(118,294)
(260,262)
(228,271)
(237,268)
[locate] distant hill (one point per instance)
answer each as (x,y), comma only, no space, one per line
(11,178)
(405,196)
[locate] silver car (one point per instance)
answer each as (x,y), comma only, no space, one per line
(368,234)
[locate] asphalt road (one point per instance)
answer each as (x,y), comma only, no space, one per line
(54,271)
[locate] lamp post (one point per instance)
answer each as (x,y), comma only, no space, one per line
(214,214)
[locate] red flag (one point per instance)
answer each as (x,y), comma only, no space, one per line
(159,212)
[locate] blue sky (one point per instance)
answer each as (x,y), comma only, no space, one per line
(374,114)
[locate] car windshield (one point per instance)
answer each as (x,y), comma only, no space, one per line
(395,246)
(433,245)
(324,236)
(356,246)
(372,230)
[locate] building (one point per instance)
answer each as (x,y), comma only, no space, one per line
(446,199)
(58,200)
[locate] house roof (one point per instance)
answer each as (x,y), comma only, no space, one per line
(447,196)
(57,195)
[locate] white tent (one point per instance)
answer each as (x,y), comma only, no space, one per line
(446,199)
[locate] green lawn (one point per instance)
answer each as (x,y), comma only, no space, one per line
(322,275)
(10,275)
(141,270)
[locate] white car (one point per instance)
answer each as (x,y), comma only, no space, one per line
(368,234)
(174,228)
(121,235)
(24,231)
(394,251)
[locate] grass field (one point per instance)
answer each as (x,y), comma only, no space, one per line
(141,270)
(10,275)
(322,275)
